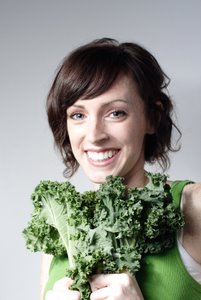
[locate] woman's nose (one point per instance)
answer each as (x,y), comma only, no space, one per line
(96,131)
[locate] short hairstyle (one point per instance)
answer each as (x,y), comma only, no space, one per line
(89,71)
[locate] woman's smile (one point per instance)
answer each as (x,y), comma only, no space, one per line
(107,132)
(101,158)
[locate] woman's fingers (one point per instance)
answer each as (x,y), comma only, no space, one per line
(103,280)
(62,284)
(61,291)
(100,294)
(61,295)
(115,286)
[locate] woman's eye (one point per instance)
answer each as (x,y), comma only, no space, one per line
(117,114)
(77,116)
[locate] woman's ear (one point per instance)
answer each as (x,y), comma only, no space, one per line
(155,118)
(150,128)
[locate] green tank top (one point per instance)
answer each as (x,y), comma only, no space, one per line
(161,276)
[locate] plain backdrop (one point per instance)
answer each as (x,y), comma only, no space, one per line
(34,38)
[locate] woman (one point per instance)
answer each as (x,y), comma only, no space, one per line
(110,114)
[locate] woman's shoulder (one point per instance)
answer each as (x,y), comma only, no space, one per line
(192,199)
(193,190)
(192,213)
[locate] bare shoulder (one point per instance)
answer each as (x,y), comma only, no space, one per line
(45,265)
(193,190)
(192,213)
(192,199)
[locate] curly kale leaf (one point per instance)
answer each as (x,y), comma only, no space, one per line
(41,237)
(51,228)
(108,230)
(120,218)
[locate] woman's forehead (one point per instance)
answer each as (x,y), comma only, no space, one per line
(123,92)
(121,88)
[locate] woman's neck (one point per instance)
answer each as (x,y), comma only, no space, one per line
(139,180)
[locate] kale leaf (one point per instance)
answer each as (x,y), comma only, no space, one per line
(103,231)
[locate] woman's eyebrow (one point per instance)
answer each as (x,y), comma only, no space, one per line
(116,100)
(103,105)
(76,105)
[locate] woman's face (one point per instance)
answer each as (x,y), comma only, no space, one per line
(107,133)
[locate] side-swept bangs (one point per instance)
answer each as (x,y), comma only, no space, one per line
(89,72)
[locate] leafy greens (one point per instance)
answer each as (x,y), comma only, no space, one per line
(104,231)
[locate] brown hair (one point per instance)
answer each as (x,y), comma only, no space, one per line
(89,71)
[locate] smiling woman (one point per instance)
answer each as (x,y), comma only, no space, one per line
(93,70)
(107,133)
(110,112)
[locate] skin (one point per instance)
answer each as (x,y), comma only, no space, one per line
(113,121)
(192,215)
(116,121)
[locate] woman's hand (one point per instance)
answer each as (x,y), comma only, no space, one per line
(115,287)
(61,291)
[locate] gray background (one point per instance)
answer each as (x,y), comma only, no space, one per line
(35,36)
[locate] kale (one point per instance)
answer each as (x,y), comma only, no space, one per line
(108,230)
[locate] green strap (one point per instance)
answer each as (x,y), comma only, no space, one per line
(177,189)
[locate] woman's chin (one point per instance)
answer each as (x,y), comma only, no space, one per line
(98,178)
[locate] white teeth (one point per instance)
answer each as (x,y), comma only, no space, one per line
(110,154)
(105,155)
(100,156)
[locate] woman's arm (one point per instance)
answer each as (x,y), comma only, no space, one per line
(192,215)
(61,287)
(46,261)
